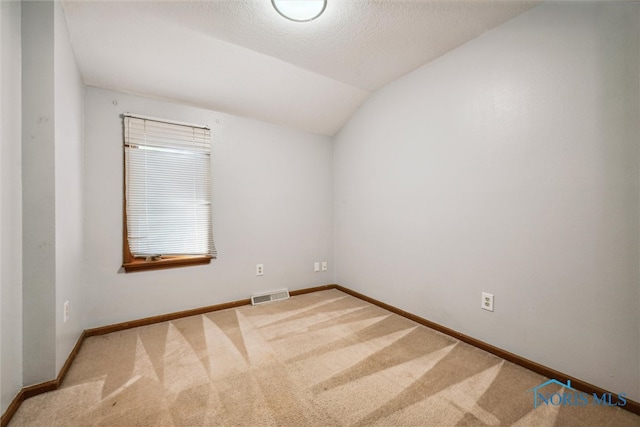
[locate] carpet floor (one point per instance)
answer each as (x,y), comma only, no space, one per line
(319,359)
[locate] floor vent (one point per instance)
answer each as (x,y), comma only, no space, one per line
(270,296)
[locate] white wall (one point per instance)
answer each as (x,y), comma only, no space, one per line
(52,173)
(509,165)
(272,205)
(38,194)
(69,155)
(10,205)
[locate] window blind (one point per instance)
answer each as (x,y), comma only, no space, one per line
(168,188)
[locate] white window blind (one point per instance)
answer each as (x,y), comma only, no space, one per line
(168,188)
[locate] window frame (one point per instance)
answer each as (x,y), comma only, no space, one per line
(132,263)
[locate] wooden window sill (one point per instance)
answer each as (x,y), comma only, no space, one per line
(141,264)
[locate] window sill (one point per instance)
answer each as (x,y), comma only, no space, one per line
(141,264)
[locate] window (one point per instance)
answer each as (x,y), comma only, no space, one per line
(167,200)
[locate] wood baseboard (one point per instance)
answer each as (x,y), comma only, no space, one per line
(12,408)
(36,389)
(162,318)
(577,383)
(314,289)
(186,313)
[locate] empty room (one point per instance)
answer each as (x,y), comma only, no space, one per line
(320,212)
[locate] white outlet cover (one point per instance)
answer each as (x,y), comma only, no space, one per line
(259,269)
(65,314)
(324,266)
(487,301)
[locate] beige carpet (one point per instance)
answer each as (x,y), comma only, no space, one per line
(323,359)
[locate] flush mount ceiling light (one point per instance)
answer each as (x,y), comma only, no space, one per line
(300,10)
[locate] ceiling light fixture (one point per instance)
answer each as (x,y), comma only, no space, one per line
(300,10)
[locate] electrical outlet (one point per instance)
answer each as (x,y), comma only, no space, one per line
(487,301)
(259,269)
(316,266)
(65,311)
(324,265)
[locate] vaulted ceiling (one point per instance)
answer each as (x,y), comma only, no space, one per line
(242,57)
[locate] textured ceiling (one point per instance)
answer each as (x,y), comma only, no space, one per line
(242,57)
